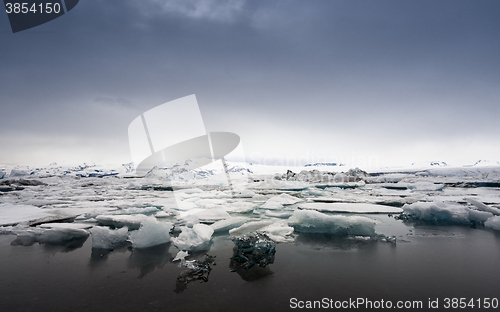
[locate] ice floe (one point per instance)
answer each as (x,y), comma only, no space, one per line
(196,238)
(151,233)
(350,208)
(105,238)
(310,221)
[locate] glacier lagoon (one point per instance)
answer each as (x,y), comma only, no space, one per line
(392,235)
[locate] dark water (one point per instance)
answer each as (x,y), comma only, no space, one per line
(436,262)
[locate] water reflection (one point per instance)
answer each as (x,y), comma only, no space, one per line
(319,241)
(148,259)
(50,246)
(99,256)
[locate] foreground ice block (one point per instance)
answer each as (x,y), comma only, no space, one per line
(151,233)
(196,238)
(105,238)
(310,221)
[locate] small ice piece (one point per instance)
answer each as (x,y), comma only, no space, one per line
(212,215)
(245,193)
(425,186)
(196,238)
(181,255)
(310,221)
(151,233)
(493,223)
(83,226)
(350,208)
(279,214)
(104,238)
(240,207)
(61,235)
(164,214)
(279,231)
(250,227)
(133,222)
(228,224)
(480,206)
(277,202)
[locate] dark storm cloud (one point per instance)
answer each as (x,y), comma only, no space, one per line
(365,70)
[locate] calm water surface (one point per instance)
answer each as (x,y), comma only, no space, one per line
(433,262)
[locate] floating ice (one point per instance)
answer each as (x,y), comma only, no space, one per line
(278,231)
(61,235)
(151,233)
(82,226)
(493,223)
(205,215)
(279,213)
(250,227)
(240,207)
(105,238)
(196,238)
(181,255)
(441,212)
(228,224)
(425,186)
(13,214)
(350,208)
(277,202)
(479,205)
(310,221)
(133,222)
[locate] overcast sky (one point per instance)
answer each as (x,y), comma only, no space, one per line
(365,82)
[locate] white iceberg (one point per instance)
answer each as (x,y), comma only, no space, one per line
(250,227)
(151,233)
(133,222)
(13,214)
(228,224)
(310,221)
(196,238)
(350,208)
(493,223)
(277,202)
(105,238)
(441,212)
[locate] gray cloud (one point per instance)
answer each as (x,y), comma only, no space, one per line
(291,77)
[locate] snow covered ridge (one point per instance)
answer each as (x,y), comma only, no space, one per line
(324,164)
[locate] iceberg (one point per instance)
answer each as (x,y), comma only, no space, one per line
(277,202)
(493,223)
(13,214)
(105,238)
(442,212)
(350,208)
(151,233)
(133,222)
(196,238)
(227,224)
(310,221)
(250,227)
